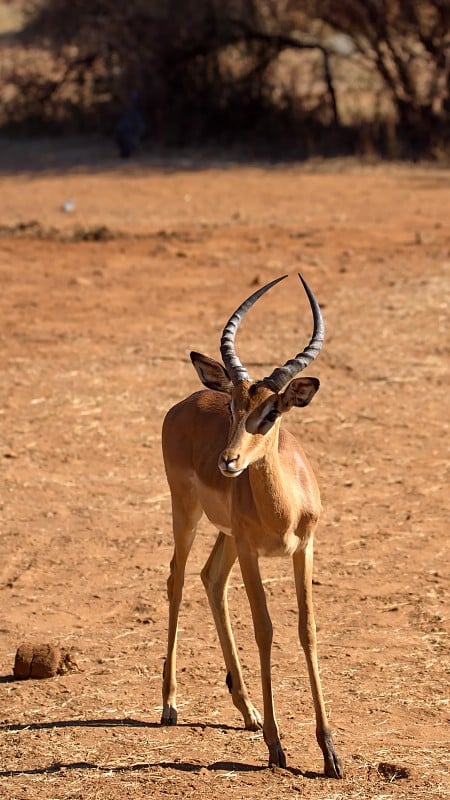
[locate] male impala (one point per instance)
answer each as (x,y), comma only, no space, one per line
(227,456)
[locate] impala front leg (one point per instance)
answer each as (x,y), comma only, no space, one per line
(262,625)
(185,518)
(303,564)
(215,575)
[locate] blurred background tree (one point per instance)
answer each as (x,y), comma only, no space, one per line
(292,78)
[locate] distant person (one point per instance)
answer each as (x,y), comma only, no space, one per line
(130,128)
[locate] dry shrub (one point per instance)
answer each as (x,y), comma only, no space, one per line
(247,71)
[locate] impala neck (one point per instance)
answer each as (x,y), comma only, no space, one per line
(268,479)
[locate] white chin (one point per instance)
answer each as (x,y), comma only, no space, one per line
(227,473)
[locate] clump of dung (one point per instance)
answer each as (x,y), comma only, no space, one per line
(42,661)
(392,772)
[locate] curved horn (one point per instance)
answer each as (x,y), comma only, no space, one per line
(282,375)
(232,364)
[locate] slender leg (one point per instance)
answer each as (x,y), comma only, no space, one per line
(215,575)
(303,563)
(262,625)
(186,515)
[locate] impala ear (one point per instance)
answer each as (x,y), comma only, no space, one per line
(212,374)
(299,393)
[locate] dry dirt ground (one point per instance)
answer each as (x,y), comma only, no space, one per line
(99,308)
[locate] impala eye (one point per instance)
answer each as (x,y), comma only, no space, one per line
(272,415)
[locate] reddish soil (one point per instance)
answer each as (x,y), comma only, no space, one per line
(96,323)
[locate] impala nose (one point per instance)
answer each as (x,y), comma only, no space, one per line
(228,465)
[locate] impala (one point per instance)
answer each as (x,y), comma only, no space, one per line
(227,456)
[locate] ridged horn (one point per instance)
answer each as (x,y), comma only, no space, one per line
(282,375)
(232,364)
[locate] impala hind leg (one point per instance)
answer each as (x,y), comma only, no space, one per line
(303,563)
(262,625)
(186,514)
(215,575)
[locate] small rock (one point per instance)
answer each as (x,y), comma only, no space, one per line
(68,206)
